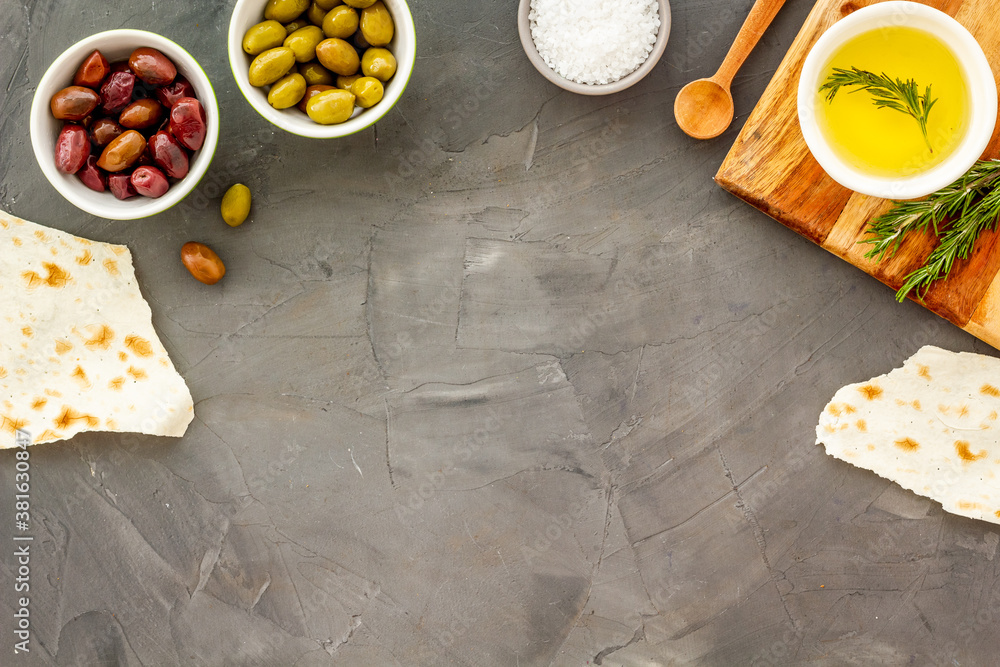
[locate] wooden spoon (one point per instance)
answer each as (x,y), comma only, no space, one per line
(704,108)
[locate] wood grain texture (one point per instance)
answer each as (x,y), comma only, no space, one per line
(770,167)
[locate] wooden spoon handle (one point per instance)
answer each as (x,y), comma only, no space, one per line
(760,17)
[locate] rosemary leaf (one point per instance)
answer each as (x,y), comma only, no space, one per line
(957,243)
(888,93)
(956,201)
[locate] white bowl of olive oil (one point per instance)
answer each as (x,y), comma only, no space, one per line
(897,100)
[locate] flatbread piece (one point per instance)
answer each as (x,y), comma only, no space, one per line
(77,347)
(931,426)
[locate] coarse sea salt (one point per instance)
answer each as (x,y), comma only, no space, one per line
(594,41)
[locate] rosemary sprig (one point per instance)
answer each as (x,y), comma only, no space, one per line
(889,93)
(958,214)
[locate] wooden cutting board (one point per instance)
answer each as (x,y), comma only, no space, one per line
(771,168)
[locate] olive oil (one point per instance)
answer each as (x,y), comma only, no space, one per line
(887,142)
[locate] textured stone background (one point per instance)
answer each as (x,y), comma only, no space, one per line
(515,385)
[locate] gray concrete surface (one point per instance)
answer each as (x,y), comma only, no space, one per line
(516,384)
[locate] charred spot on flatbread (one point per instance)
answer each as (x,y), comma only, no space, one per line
(871,392)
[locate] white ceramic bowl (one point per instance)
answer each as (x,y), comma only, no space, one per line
(44,129)
(528,44)
(248,13)
(979,79)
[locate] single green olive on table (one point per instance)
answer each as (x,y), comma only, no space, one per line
(236,205)
(301,48)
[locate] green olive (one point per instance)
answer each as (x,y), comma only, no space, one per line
(315,74)
(360,4)
(303,43)
(271,65)
(297,24)
(263,36)
(236,205)
(285,11)
(340,22)
(379,63)
(346,82)
(337,56)
(327,5)
(376,24)
(368,90)
(331,106)
(311,91)
(287,91)
(315,14)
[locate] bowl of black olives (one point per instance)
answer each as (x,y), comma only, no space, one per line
(322,68)
(124,124)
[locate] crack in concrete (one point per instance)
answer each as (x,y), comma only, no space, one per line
(260,593)
(758,534)
(610,490)
(639,634)
(470,382)
(370,328)
(388,458)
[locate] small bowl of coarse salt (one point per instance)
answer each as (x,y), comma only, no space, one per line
(594,47)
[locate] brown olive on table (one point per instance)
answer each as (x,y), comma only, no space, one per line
(92,71)
(202,262)
(74,103)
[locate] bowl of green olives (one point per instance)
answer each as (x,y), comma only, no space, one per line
(124,124)
(322,68)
